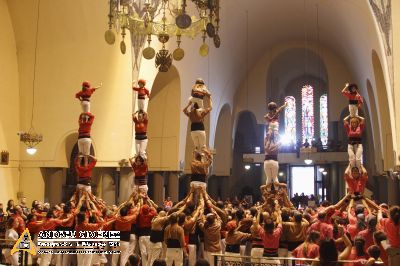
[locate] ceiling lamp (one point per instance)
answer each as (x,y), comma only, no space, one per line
(247,167)
(324,172)
(308,161)
(164,19)
(321,169)
(31,138)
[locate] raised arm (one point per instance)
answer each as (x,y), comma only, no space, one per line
(345,89)
(346,252)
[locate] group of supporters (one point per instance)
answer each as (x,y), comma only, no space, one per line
(327,233)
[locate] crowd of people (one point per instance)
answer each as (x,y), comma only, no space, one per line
(368,234)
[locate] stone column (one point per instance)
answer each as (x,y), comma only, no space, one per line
(108,187)
(173,186)
(158,188)
(54,180)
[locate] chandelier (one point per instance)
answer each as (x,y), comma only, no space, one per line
(164,19)
(31,138)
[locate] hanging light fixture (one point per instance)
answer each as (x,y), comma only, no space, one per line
(164,19)
(321,169)
(31,138)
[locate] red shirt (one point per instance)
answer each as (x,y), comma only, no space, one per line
(51,224)
(368,237)
(357,133)
(353,230)
(353,97)
(325,229)
(85,125)
(87,227)
(392,231)
(140,170)
(142,92)
(40,215)
(271,241)
(356,185)
(311,251)
(124,223)
(85,94)
(144,219)
(84,172)
(353,256)
(21,223)
(34,227)
(140,126)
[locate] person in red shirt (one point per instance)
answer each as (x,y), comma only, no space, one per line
(144,219)
(379,239)
(85,126)
(391,227)
(85,94)
(84,169)
(18,216)
(270,236)
(354,229)
(309,249)
(356,180)
(357,252)
(140,168)
(123,223)
(325,229)
(142,93)
(350,91)
(354,130)
(368,234)
(141,120)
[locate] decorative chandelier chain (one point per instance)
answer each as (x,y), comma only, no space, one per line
(34,62)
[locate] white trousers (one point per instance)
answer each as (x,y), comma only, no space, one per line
(256,253)
(199,139)
(271,169)
(192,254)
(84,188)
(132,244)
(355,154)
(208,257)
(84,145)
(141,146)
(85,106)
(273,126)
(194,100)
(142,104)
(144,245)
(155,252)
(124,248)
(174,255)
(84,259)
(353,110)
(11,259)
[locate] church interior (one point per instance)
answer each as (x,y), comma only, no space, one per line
(298,54)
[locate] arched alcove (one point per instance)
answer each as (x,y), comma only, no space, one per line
(223,142)
(248,135)
(164,114)
(384,113)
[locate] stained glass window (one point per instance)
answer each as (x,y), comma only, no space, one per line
(307,113)
(290,120)
(323,118)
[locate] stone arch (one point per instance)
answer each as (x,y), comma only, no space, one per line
(248,135)
(164,121)
(384,114)
(223,142)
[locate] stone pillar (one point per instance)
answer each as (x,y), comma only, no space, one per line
(125,184)
(173,186)
(54,180)
(393,191)
(158,188)
(333,182)
(108,187)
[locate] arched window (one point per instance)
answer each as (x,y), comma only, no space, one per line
(307,113)
(323,118)
(290,120)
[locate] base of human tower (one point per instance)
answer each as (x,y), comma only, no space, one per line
(140,197)
(87,199)
(198,199)
(275,197)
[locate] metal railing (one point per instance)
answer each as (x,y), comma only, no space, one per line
(237,260)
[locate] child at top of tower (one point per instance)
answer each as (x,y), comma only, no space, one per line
(142,93)
(350,91)
(85,94)
(272,117)
(199,91)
